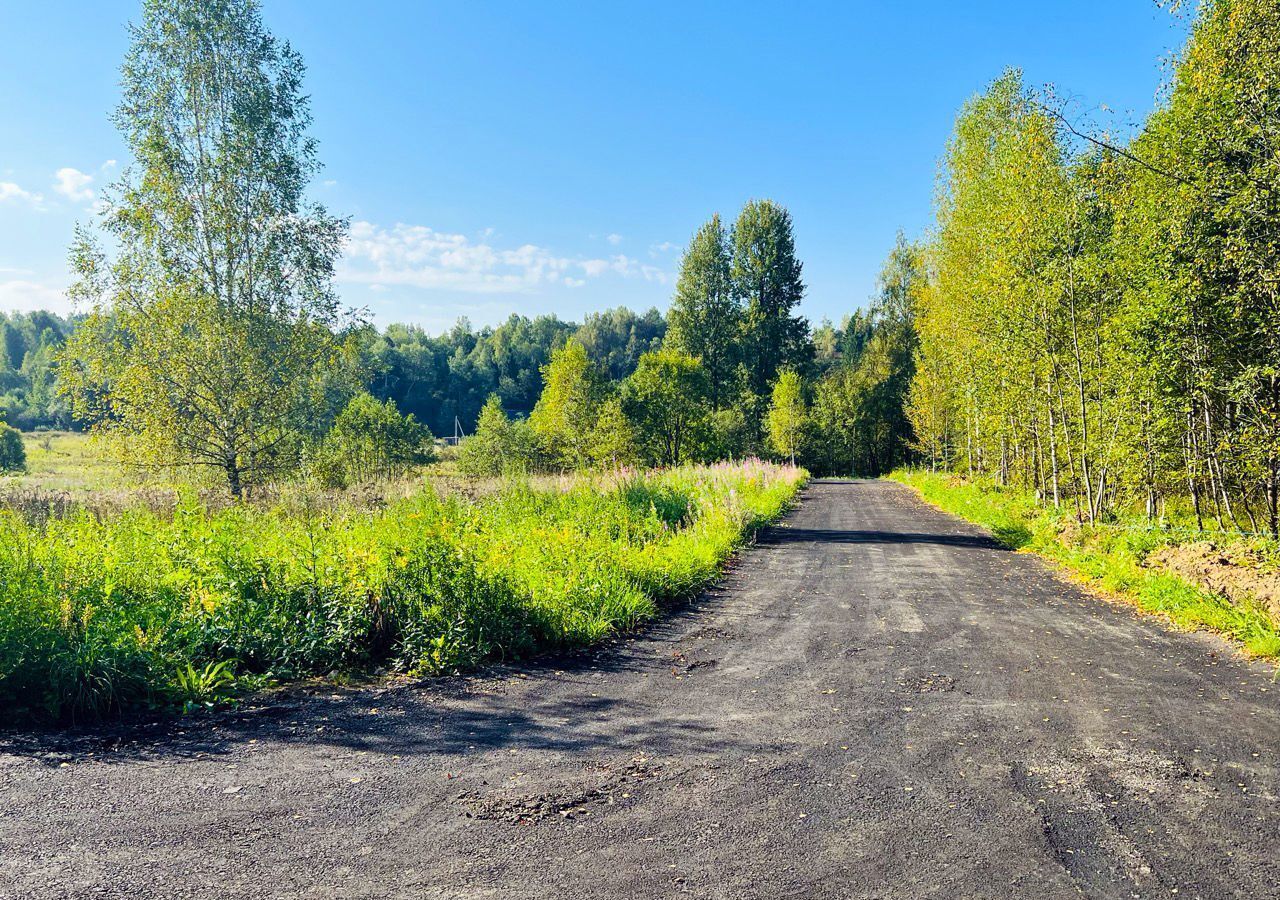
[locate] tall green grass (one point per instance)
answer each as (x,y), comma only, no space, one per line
(143,610)
(1108,557)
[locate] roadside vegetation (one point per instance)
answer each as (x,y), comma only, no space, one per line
(151,611)
(1102,322)
(261,497)
(1118,556)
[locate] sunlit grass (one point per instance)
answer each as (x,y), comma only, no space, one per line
(67,461)
(147,609)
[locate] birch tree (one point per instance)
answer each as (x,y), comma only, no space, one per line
(211,314)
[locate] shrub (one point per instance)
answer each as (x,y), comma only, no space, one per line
(499,445)
(372,441)
(13,455)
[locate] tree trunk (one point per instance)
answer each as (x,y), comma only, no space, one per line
(1081,396)
(1190,448)
(232,466)
(1273,466)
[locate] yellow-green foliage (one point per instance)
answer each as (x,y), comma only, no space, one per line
(1109,556)
(148,611)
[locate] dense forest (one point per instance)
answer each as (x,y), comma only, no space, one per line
(29,346)
(434,377)
(453,374)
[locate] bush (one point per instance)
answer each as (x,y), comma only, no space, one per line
(499,445)
(372,441)
(13,455)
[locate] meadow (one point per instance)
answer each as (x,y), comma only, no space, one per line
(67,461)
(159,609)
(1116,556)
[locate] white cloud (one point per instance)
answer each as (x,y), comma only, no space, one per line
(595,267)
(19,295)
(73,184)
(421,257)
(625,266)
(614,239)
(659,249)
(12,192)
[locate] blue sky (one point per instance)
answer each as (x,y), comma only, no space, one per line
(503,157)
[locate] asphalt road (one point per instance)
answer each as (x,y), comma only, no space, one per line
(877,702)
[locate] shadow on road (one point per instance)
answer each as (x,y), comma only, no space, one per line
(441,716)
(825,536)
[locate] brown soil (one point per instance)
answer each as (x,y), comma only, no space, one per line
(1235,573)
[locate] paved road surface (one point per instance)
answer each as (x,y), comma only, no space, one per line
(878,702)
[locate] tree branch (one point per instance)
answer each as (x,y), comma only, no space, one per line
(1106,145)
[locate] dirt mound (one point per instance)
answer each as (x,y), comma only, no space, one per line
(1236,573)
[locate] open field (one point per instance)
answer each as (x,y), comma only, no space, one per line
(1120,556)
(145,609)
(67,461)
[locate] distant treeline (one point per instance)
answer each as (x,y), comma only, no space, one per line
(29,346)
(433,377)
(438,378)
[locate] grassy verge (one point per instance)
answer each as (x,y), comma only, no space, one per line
(1110,558)
(144,610)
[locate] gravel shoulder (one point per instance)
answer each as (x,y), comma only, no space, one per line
(878,701)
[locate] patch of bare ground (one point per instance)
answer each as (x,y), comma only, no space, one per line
(598,788)
(1237,573)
